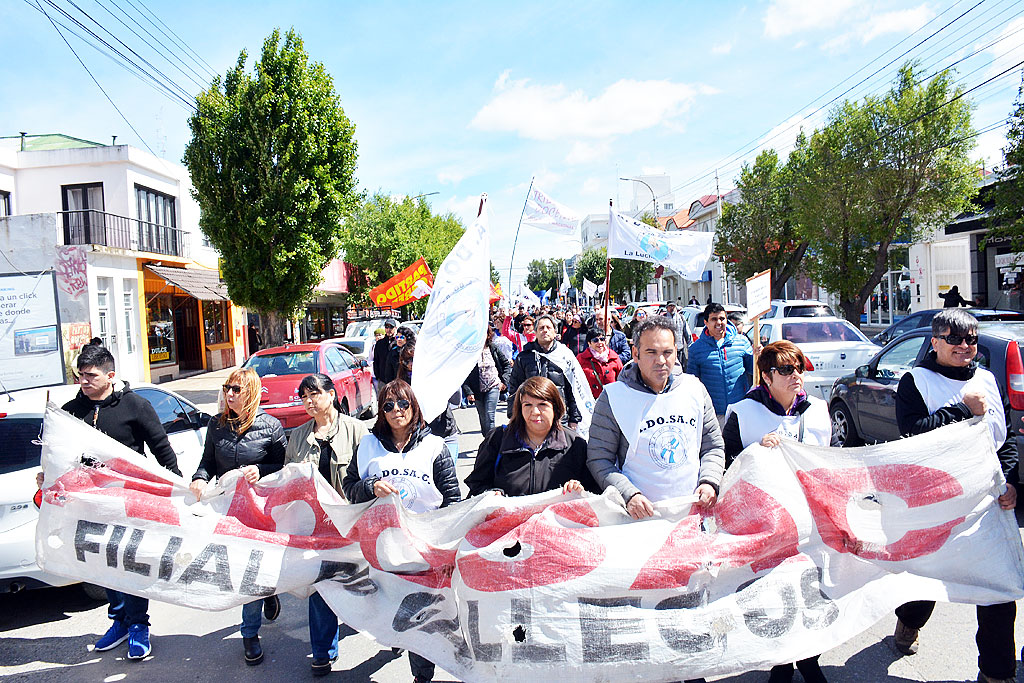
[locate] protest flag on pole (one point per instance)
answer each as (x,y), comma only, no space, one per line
(685,251)
(545,213)
(455,326)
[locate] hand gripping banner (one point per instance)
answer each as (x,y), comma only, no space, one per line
(806,548)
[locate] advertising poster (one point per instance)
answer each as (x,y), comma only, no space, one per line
(30,337)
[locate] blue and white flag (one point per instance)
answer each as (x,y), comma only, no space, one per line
(684,251)
(541,211)
(455,326)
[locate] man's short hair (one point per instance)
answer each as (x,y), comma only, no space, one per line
(956,320)
(653,322)
(713,308)
(98,357)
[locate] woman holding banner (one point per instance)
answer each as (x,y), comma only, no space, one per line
(401,456)
(245,438)
(776,409)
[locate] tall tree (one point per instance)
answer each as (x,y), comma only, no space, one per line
(543,275)
(384,236)
(882,171)
(759,233)
(590,265)
(272,160)
(1008,193)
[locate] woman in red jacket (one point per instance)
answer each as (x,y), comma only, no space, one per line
(600,364)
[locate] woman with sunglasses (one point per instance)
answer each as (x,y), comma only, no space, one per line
(519,340)
(328,441)
(533,452)
(400,456)
(776,409)
(242,437)
(600,364)
(404,335)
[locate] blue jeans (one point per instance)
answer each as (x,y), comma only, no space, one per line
(323,629)
(252,618)
(127,608)
(452,442)
(486,404)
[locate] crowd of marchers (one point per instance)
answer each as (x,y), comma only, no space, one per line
(648,370)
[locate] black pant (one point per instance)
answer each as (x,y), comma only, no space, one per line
(997,654)
(422,668)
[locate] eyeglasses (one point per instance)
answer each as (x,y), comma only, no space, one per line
(228,388)
(399,336)
(597,340)
(787,370)
(401,403)
(527,326)
(958,339)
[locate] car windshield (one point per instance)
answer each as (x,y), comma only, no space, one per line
(812,311)
(19,452)
(355,347)
(822,331)
(291,363)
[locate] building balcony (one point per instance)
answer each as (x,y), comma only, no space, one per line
(89,226)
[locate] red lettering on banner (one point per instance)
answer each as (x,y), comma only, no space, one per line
(377,519)
(829,492)
(146,495)
(758,531)
(553,553)
(250,516)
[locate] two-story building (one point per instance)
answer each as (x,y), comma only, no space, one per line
(121,230)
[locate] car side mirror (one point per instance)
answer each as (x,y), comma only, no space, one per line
(363,363)
(863,371)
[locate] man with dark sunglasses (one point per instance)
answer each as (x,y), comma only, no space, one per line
(949,386)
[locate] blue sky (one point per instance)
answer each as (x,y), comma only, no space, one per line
(464,98)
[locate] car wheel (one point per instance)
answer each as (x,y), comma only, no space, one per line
(371,410)
(94,592)
(843,432)
(344,407)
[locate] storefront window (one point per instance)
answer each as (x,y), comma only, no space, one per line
(160,329)
(215,321)
(316,324)
(337,323)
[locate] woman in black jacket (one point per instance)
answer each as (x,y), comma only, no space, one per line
(242,437)
(533,453)
(575,334)
(401,456)
(488,378)
(403,337)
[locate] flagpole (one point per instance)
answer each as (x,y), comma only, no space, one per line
(607,274)
(516,240)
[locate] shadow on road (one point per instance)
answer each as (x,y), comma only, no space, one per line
(42,606)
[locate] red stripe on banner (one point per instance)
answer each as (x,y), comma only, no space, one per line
(379,518)
(145,494)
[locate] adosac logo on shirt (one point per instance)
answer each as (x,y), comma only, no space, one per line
(407,492)
(666,447)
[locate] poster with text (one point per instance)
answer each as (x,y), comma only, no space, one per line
(30,334)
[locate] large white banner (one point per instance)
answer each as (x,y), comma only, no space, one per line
(543,212)
(685,251)
(455,327)
(806,548)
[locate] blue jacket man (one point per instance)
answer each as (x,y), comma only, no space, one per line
(721,359)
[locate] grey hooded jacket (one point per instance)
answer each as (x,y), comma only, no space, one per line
(606,450)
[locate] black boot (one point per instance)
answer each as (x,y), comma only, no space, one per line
(810,670)
(782,673)
(253,651)
(271,608)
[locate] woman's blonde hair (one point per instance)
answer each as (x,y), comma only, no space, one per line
(251,393)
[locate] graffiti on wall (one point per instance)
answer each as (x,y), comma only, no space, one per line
(71,277)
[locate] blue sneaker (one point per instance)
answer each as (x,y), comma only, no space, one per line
(138,641)
(115,635)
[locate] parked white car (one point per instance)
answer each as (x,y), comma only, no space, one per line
(694,316)
(21,420)
(358,346)
(833,346)
(799,308)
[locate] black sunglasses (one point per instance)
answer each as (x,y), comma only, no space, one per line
(787,370)
(390,405)
(957,339)
(597,339)
(232,387)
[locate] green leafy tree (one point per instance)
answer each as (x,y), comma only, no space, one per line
(495,275)
(272,160)
(1008,194)
(384,236)
(758,233)
(543,275)
(882,171)
(590,265)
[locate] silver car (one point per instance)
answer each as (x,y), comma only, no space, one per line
(832,345)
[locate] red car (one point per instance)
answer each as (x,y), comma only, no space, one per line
(282,368)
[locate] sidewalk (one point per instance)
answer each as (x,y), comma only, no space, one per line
(203,389)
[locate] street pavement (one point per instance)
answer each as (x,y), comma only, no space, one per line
(47,635)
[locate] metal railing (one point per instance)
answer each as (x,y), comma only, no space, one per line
(89,226)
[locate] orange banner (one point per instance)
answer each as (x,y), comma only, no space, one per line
(404,288)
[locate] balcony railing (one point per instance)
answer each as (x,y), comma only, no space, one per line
(89,226)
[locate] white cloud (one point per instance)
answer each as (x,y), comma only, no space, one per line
(722,48)
(899,21)
(591,186)
(587,152)
(551,112)
(1007,52)
(464,208)
(990,148)
(786,17)
(450,176)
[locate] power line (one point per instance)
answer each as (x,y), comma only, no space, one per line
(119,112)
(198,60)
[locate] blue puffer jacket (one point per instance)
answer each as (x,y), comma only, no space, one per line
(722,366)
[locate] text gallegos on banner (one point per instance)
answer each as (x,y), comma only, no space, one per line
(806,548)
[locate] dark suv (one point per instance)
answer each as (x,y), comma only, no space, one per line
(920,319)
(863,405)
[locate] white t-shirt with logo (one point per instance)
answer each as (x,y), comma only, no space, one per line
(755,420)
(412,472)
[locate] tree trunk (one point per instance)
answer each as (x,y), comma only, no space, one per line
(852,311)
(274,328)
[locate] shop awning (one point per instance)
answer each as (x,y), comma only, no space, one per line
(201,283)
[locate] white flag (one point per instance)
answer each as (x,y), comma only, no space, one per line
(545,213)
(455,326)
(564,287)
(685,251)
(525,296)
(589,288)
(600,287)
